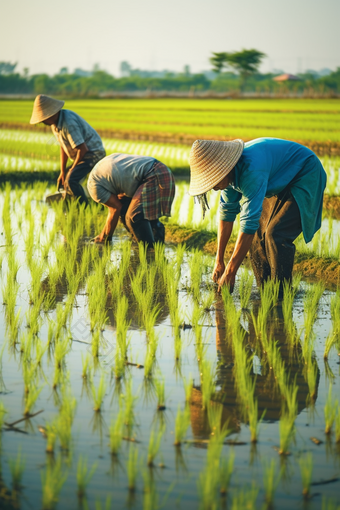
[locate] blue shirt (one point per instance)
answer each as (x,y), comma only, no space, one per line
(265,168)
(72,131)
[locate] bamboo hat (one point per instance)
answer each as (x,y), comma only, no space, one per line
(44,107)
(210,161)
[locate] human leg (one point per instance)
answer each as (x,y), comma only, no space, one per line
(140,228)
(282,230)
(257,252)
(158,231)
(78,173)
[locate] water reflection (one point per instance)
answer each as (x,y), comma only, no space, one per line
(267,390)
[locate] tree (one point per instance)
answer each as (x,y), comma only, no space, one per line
(218,61)
(245,62)
(7,67)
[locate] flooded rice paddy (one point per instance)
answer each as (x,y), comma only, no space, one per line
(202,400)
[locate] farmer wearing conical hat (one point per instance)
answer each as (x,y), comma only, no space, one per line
(277,187)
(138,190)
(78,141)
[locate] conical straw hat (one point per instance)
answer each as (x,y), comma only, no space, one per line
(44,107)
(210,161)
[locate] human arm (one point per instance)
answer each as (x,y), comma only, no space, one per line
(81,149)
(63,161)
(114,207)
(229,207)
(242,246)
(225,229)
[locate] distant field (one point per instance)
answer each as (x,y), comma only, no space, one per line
(314,122)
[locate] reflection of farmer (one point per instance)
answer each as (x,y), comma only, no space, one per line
(78,141)
(281,185)
(137,189)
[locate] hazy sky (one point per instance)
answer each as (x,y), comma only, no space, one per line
(155,34)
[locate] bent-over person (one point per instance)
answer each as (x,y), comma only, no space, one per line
(77,139)
(277,187)
(137,189)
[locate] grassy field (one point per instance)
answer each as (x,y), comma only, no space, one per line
(313,122)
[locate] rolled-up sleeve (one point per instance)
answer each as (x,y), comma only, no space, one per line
(252,205)
(97,190)
(229,204)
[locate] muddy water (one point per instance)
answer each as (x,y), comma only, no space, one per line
(176,471)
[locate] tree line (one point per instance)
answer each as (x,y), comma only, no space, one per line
(233,73)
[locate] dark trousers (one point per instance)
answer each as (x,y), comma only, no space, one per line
(79,172)
(272,251)
(141,229)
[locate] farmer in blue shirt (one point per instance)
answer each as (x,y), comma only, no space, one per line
(277,187)
(77,139)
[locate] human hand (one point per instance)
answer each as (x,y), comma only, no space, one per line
(61,180)
(218,271)
(101,239)
(228,278)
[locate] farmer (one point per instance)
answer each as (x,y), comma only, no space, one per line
(78,141)
(136,189)
(281,184)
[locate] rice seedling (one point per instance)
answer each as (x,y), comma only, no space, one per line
(208,482)
(337,424)
(86,369)
(246,283)
(61,349)
(330,341)
(97,296)
(98,394)
(312,376)
(196,271)
(119,366)
(17,468)
(95,344)
(225,472)
(252,412)
(329,504)
(122,325)
(160,393)
(154,444)
(288,416)
(132,468)
(51,432)
(330,410)
(181,424)
(207,382)
(245,498)
(31,397)
(271,481)
(65,419)
(3,412)
(311,304)
(52,481)
(188,385)
(306,468)
(130,401)
(84,476)
(269,296)
(150,356)
(286,428)
(107,505)
(150,496)
(116,432)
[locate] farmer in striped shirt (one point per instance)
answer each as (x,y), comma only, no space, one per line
(138,190)
(77,139)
